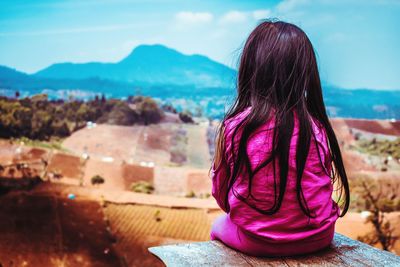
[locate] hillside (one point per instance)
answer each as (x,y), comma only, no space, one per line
(12,79)
(149,65)
(188,82)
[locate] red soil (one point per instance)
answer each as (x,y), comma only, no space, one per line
(198,182)
(67,165)
(137,227)
(134,173)
(48,231)
(375,126)
(355,162)
(118,176)
(32,154)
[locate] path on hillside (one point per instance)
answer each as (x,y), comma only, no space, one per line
(197,148)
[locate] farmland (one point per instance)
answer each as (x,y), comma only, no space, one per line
(107,224)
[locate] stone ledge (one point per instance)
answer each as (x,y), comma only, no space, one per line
(342,252)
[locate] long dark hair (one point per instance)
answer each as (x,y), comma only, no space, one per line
(278,74)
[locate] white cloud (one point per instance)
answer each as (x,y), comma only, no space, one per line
(194,17)
(261,14)
(233,17)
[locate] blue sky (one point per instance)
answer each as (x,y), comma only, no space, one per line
(357,42)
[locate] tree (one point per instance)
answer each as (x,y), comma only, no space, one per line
(380,198)
(169,108)
(40,118)
(149,111)
(103,99)
(186,117)
(142,187)
(97,179)
(61,129)
(120,114)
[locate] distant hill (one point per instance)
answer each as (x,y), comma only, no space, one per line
(16,80)
(186,81)
(149,65)
(10,78)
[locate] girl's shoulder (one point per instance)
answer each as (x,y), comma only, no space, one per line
(321,143)
(319,131)
(231,123)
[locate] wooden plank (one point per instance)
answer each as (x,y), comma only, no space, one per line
(355,253)
(255,261)
(342,252)
(211,253)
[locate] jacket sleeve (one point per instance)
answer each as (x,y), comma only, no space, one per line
(220,178)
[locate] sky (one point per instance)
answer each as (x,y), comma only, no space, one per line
(357,41)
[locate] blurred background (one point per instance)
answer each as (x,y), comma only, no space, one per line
(108,112)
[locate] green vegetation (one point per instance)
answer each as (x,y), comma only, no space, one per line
(168,107)
(192,194)
(97,179)
(53,143)
(384,190)
(205,195)
(380,197)
(38,118)
(384,148)
(157,216)
(142,187)
(148,109)
(186,117)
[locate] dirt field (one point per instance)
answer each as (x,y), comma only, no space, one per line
(116,153)
(117,175)
(44,228)
(135,144)
(117,142)
(68,166)
(48,231)
(137,227)
(375,126)
(11,153)
(198,182)
(197,150)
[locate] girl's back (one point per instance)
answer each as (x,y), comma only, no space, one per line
(289,224)
(277,156)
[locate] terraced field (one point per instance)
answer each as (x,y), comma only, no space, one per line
(68,165)
(47,231)
(137,227)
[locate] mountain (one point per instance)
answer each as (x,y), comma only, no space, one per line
(149,65)
(12,79)
(187,82)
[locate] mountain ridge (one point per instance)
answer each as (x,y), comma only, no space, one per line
(149,64)
(187,80)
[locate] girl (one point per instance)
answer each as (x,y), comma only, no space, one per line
(277,156)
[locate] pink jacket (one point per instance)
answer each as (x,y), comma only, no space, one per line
(289,224)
